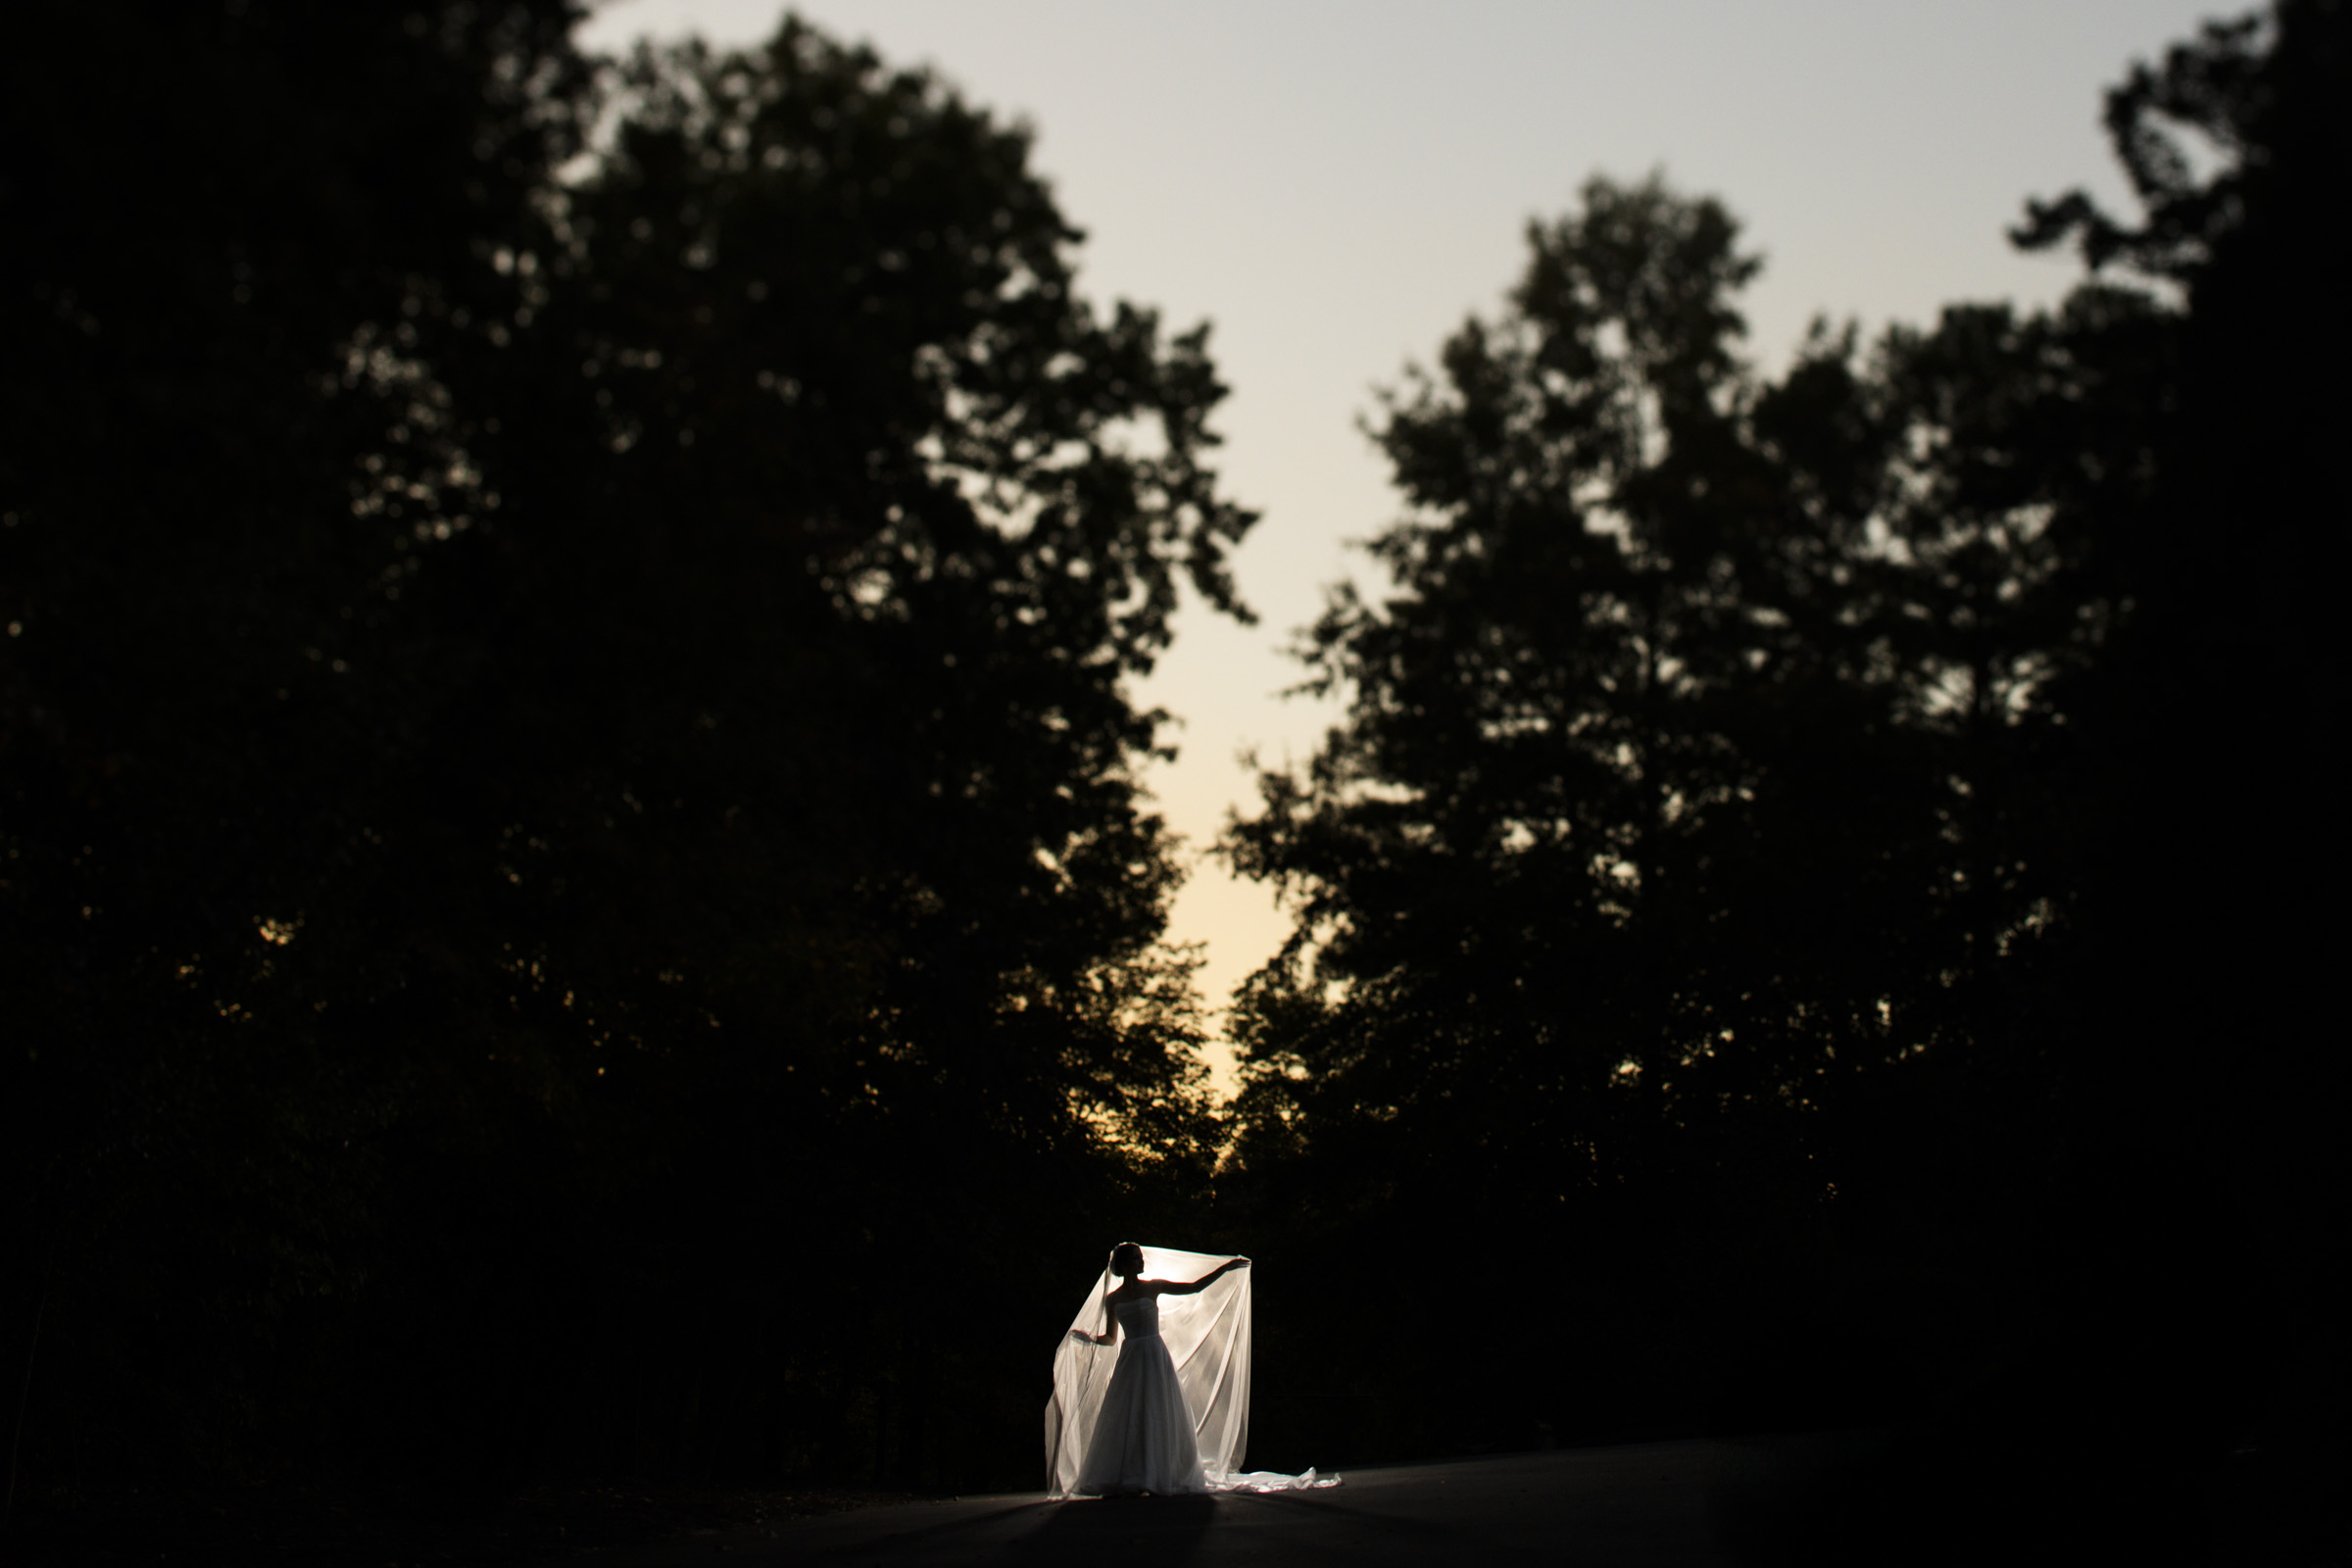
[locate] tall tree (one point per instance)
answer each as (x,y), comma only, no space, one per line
(567,760)
(201,209)
(2234,687)
(1696,857)
(1619,851)
(1632,675)
(1801,813)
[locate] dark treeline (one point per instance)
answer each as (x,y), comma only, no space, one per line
(575,895)
(577,900)
(1822,893)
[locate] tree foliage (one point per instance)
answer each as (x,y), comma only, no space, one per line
(571,801)
(1678,764)
(2233,688)
(1794,837)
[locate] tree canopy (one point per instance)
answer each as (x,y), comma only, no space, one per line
(1775,814)
(565,730)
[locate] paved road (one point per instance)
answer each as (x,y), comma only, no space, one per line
(1637,1507)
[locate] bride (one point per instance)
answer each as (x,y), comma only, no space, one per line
(1170,1413)
(1143,1439)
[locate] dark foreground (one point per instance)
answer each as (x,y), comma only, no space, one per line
(1823,1501)
(1644,1504)
(1835,1498)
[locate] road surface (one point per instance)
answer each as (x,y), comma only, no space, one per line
(1650,1504)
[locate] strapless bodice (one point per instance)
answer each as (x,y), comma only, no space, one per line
(1139,1318)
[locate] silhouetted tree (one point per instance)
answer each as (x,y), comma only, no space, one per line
(1653,798)
(2214,948)
(200,208)
(1786,828)
(571,809)
(1625,850)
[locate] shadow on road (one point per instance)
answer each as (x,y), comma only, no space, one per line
(1142,1531)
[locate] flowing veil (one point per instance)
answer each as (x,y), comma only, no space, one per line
(1207,1336)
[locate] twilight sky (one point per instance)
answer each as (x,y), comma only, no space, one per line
(1335,183)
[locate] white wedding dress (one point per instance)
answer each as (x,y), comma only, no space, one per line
(1143,1439)
(1164,1408)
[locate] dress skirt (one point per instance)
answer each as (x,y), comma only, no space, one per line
(1142,1440)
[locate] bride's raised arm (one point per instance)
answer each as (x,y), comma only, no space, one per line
(1171,1288)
